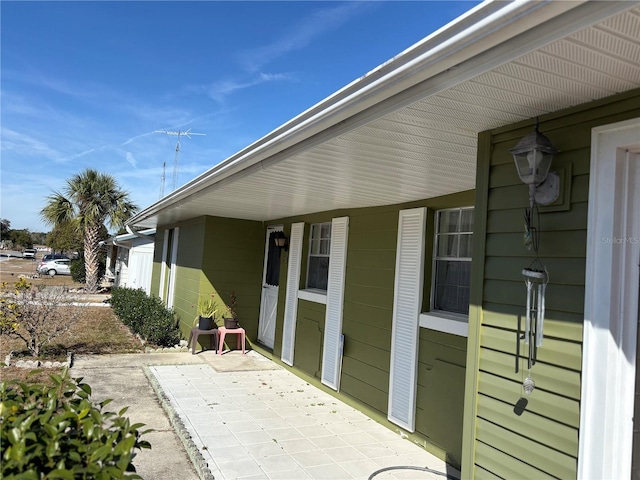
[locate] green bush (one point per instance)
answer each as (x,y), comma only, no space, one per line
(145,315)
(78,272)
(55,431)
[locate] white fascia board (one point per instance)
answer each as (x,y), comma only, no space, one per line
(482,28)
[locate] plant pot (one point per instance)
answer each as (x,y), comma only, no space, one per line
(205,323)
(230,323)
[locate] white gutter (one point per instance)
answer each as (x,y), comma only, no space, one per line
(141,234)
(484,27)
(117,239)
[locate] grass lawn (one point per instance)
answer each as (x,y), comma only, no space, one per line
(99,331)
(11,269)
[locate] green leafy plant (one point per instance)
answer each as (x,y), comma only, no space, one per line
(145,315)
(57,432)
(207,306)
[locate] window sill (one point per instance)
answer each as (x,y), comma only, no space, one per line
(453,324)
(310,295)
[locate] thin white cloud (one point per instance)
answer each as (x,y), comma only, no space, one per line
(220,90)
(32,76)
(81,154)
(133,139)
(22,144)
(131,159)
(319,23)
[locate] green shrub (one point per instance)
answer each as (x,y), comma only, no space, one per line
(55,431)
(78,272)
(146,315)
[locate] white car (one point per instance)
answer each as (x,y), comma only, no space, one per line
(59,266)
(29,253)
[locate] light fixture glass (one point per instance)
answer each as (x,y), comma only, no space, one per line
(533,155)
(281,240)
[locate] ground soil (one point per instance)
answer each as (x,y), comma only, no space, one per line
(99,331)
(13,268)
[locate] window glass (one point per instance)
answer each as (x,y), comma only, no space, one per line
(452,260)
(319,248)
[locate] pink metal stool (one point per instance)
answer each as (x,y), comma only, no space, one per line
(222,331)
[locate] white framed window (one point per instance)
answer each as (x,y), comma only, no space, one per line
(452,261)
(319,248)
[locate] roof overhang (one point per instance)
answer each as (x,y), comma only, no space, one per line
(408,129)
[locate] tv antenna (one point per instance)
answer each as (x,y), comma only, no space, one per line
(178,134)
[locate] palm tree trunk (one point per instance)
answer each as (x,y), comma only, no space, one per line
(91,250)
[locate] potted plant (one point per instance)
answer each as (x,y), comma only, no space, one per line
(231,320)
(206,313)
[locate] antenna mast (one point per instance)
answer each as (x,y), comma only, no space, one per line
(179,134)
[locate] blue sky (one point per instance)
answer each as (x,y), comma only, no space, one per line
(86,84)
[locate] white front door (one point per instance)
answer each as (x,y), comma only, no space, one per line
(270,282)
(611,303)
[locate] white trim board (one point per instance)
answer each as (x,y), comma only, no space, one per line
(611,303)
(313,296)
(442,323)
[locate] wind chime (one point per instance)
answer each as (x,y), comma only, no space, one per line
(533,155)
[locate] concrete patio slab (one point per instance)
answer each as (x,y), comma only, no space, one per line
(267,423)
(237,416)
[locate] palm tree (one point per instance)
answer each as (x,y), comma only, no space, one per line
(91,199)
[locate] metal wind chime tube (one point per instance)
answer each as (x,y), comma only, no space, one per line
(536,283)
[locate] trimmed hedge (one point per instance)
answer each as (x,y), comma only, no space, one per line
(55,431)
(146,315)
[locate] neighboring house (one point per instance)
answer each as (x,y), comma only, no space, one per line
(401,289)
(130,259)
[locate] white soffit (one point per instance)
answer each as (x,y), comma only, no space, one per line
(426,148)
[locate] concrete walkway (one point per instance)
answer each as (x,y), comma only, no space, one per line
(244,417)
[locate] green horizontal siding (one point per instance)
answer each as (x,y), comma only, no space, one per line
(565,244)
(551,378)
(504,466)
(441,368)
(545,431)
(309,337)
(542,440)
(546,404)
(553,351)
(233,259)
(512,220)
(367,326)
(564,298)
(564,325)
(220,256)
(570,270)
(557,464)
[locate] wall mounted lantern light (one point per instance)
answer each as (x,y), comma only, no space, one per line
(533,155)
(281,240)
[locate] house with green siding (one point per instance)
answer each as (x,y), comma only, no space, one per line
(401,289)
